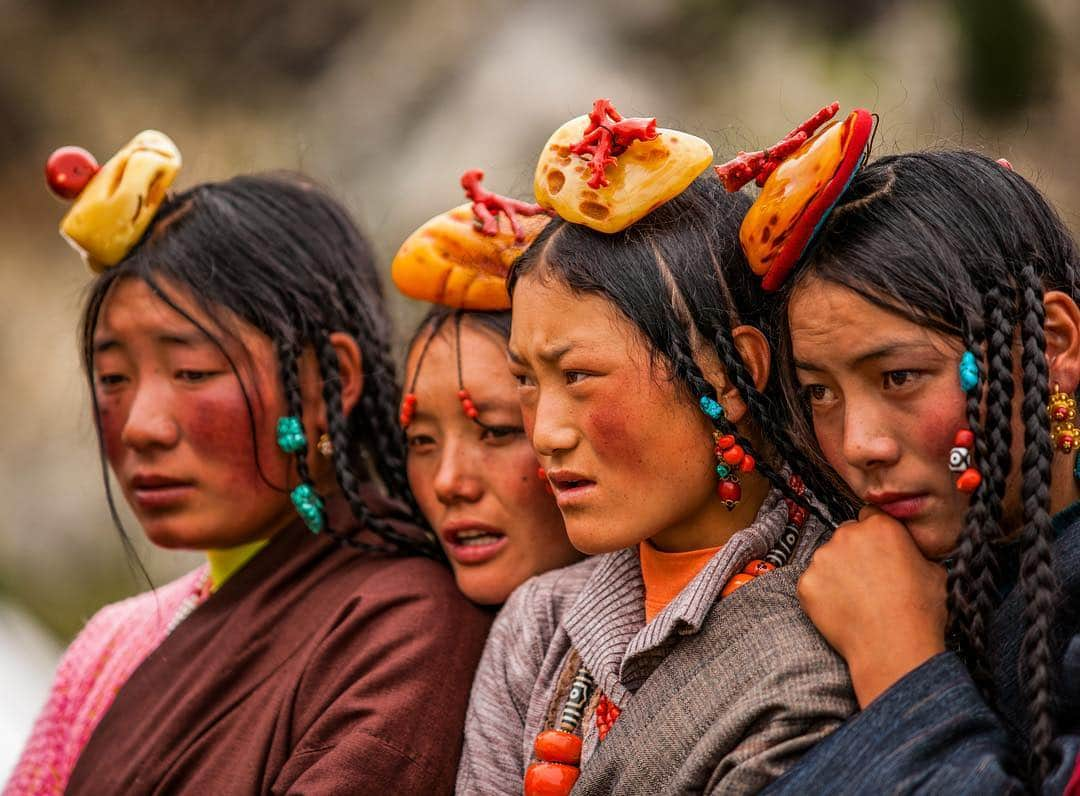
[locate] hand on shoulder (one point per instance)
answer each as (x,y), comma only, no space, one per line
(877,601)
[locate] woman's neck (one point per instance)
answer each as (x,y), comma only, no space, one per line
(714,524)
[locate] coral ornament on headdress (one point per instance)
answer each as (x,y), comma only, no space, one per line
(801,178)
(114,204)
(461,257)
(607,172)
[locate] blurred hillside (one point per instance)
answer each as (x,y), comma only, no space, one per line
(388,103)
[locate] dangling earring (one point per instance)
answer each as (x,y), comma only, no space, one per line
(1062,411)
(731,460)
(325,446)
(960,461)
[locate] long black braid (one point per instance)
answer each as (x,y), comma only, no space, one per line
(1037,577)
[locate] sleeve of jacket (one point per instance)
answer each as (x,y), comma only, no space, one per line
(930,733)
(381,705)
(493,759)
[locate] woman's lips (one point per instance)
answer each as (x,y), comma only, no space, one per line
(158,493)
(571,488)
(473,543)
(899,505)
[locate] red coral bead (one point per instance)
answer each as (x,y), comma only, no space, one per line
(734,455)
(463,394)
(556,746)
(736,582)
(758,567)
(796,514)
(729,491)
(747,464)
(725,442)
(969,480)
(68,170)
(550,779)
(964,438)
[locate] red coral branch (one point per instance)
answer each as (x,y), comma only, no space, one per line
(487,206)
(607,136)
(759,165)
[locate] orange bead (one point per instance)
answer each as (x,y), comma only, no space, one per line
(758,567)
(550,779)
(463,394)
(736,582)
(747,464)
(969,480)
(556,746)
(964,438)
(725,442)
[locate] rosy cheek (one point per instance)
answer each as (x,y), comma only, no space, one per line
(608,426)
(218,428)
(936,428)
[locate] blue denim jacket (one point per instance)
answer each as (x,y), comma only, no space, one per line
(933,733)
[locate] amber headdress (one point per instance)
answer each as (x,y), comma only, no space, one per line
(801,179)
(606,171)
(113,204)
(460,259)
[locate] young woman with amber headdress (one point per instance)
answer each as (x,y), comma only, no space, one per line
(470,465)
(322,649)
(676,659)
(930,342)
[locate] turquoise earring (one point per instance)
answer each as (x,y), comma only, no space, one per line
(290,434)
(309,506)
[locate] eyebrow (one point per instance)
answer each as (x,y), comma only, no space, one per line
(544,355)
(174,339)
(880,352)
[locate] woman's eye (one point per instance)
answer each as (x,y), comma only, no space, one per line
(899,378)
(110,379)
(195,376)
(818,394)
(524,380)
(419,441)
(501,432)
(574,376)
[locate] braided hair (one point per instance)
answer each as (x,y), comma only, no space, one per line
(679,276)
(276,252)
(959,244)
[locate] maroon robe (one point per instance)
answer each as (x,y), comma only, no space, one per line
(314,669)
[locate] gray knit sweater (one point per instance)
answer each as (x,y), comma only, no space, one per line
(715,695)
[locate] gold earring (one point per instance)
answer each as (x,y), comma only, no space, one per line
(325,446)
(1062,411)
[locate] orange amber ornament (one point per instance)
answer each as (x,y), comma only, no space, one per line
(556,746)
(550,779)
(798,194)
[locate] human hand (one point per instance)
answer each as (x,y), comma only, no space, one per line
(876,600)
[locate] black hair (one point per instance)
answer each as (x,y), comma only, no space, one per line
(496,322)
(281,255)
(957,243)
(680,276)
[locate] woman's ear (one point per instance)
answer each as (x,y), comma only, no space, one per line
(754,349)
(1062,330)
(350,373)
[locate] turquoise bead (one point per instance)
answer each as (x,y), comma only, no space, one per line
(710,407)
(309,506)
(723,470)
(290,434)
(969,372)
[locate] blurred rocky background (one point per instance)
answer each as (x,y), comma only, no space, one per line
(387,103)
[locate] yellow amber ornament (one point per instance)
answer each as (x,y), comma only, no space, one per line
(645,176)
(449,261)
(113,211)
